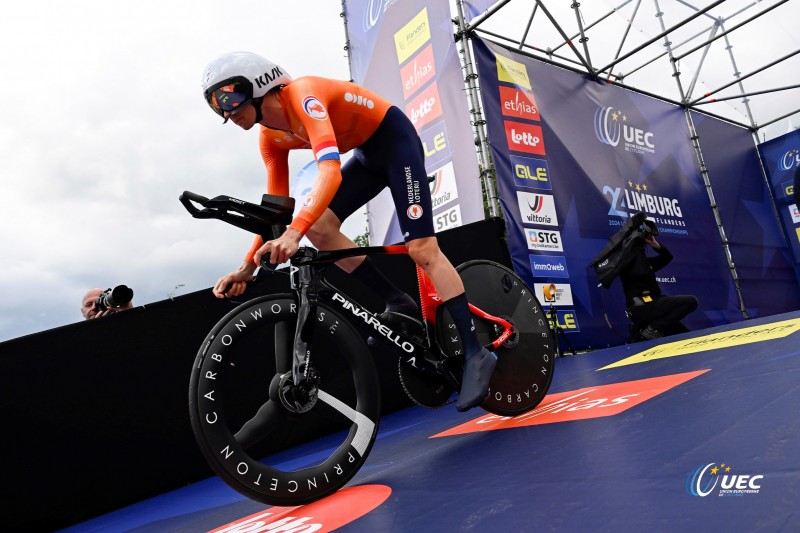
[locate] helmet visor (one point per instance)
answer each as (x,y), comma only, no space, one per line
(226,99)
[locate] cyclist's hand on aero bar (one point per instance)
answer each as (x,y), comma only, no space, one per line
(280,249)
(235,283)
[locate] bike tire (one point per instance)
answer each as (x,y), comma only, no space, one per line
(525,363)
(231,377)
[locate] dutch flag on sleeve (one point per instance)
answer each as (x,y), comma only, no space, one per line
(326,150)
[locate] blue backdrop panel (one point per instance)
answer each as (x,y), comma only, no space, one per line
(573,170)
(758,246)
(781,158)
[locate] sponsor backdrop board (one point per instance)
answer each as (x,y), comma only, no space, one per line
(781,159)
(764,262)
(575,159)
(405,52)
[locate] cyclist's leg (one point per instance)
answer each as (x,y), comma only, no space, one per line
(402,157)
(479,362)
(359,185)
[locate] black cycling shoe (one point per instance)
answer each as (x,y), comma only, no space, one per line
(478,370)
(649,333)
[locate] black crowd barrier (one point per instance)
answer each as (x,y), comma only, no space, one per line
(95,414)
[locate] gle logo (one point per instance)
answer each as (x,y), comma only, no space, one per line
(789,160)
(610,127)
(705,479)
(314,108)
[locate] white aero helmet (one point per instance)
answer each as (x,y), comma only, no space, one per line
(236,78)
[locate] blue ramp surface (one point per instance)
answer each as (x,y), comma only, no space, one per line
(694,432)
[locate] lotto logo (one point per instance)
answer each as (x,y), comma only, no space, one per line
(425,107)
(524,137)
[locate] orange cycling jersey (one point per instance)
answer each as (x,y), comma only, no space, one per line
(330,117)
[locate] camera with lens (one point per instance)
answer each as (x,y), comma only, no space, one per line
(116,297)
(648,228)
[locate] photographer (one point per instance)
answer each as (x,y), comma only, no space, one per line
(99,302)
(652,313)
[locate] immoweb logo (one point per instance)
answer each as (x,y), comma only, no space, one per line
(711,478)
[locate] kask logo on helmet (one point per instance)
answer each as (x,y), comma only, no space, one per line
(268,77)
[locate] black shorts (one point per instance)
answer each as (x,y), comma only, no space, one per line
(393,156)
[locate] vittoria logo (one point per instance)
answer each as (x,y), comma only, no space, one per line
(537,208)
(611,126)
(443,187)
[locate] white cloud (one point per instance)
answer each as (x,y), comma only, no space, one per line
(104,125)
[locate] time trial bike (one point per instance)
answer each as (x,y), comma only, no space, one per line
(308,354)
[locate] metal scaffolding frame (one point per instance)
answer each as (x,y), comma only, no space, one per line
(580,61)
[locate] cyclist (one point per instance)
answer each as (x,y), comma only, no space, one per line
(331,117)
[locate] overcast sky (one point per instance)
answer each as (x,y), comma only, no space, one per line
(104,125)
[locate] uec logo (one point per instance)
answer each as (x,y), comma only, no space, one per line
(372,13)
(704,480)
(789,160)
(611,131)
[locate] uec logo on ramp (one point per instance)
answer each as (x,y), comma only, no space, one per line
(705,479)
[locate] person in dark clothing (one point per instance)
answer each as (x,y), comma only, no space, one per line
(653,314)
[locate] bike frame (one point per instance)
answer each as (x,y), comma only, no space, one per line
(307,281)
(269,220)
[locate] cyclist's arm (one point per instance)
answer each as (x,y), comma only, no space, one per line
(277,165)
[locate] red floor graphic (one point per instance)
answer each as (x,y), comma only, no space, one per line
(589,402)
(327,514)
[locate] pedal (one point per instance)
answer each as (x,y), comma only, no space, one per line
(423,384)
